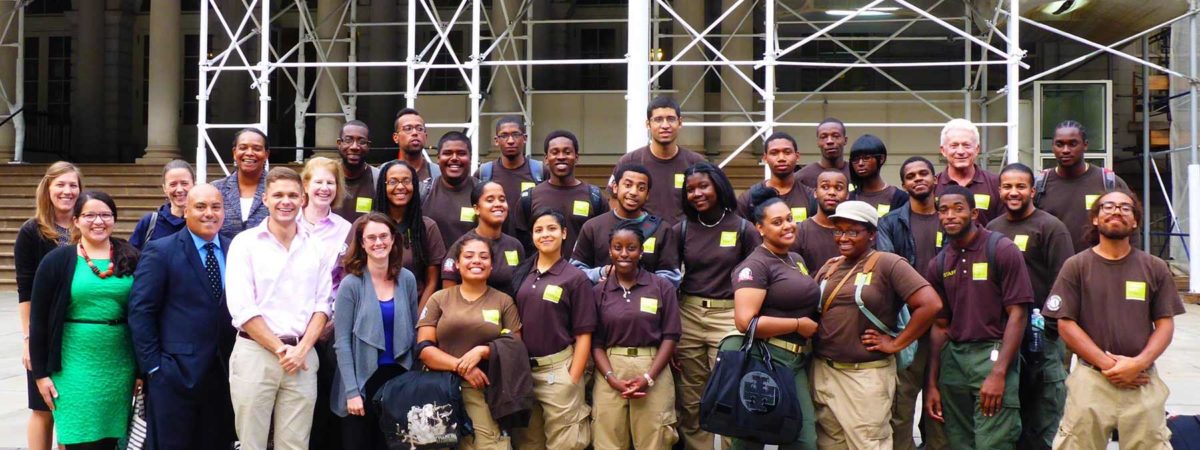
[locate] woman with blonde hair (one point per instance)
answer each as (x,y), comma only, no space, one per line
(47,230)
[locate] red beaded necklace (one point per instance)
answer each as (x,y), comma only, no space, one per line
(95,270)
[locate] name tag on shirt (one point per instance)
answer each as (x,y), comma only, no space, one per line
(581,208)
(512,257)
(363,204)
(938,239)
(1021,240)
(649,305)
(1089,200)
(466,214)
(862,279)
(728,238)
(552,293)
(979,271)
(491,316)
(679,181)
(527,185)
(882,210)
(1135,290)
(983,201)
(648,246)
(799,214)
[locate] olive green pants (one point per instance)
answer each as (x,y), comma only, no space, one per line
(965,365)
(910,381)
(1043,394)
(808,426)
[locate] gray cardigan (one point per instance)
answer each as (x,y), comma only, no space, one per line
(359,338)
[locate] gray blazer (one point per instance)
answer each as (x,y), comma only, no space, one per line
(359,338)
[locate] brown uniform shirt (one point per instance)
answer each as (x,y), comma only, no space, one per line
(507,254)
(557,304)
(791,292)
(1046,244)
(927,236)
(814,243)
(881,200)
(1115,302)
(810,172)
(986,187)
(800,199)
(462,325)
(658,252)
(574,202)
(514,182)
(433,251)
(1070,199)
(360,194)
(643,316)
(975,295)
(708,254)
(667,175)
(451,209)
(884,292)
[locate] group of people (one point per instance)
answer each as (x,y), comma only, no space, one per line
(282,318)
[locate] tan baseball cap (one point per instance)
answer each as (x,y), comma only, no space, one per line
(858,211)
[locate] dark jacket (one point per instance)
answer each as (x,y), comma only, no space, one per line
(895,235)
(28,251)
(510,392)
(167,225)
(232,196)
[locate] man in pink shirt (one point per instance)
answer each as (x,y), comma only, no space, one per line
(277,287)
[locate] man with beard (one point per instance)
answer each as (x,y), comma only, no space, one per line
(780,157)
(960,147)
(831,140)
(814,237)
(912,232)
(513,171)
(1069,190)
(360,177)
(973,372)
(633,187)
(664,158)
(447,199)
(410,136)
(867,156)
(1115,307)
(576,200)
(1046,244)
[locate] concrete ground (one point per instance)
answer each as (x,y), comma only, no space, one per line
(1180,367)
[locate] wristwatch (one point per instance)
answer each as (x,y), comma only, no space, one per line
(649,380)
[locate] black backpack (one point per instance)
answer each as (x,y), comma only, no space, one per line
(1039,184)
(422,410)
(1185,432)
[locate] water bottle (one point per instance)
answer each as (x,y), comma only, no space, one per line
(1037,323)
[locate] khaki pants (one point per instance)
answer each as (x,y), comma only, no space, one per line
(264,397)
(559,419)
(910,381)
(648,421)
(853,406)
(487,432)
(703,329)
(1095,408)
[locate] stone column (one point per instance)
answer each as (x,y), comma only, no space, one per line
(684,78)
(329,127)
(741,48)
(166,83)
(8,77)
(87,102)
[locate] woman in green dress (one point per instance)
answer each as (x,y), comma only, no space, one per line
(80,347)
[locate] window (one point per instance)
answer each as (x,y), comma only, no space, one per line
(597,43)
(444,79)
(191,76)
(32,52)
(585,43)
(58,79)
(50,6)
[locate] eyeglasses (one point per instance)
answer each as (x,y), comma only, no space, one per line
(852,234)
(412,128)
(361,142)
(92,217)
(1111,207)
(392,182)
(380,238)
(507,136)
(672,120)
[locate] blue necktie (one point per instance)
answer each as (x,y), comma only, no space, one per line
(214,270)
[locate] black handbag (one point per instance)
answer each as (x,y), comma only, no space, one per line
(751,397)
(422,410)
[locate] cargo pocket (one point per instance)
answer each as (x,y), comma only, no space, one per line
(670,435)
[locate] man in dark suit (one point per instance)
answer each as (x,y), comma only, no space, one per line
(182,331)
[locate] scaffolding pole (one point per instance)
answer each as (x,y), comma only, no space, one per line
(637,71)
(1013,101)
(1193,170)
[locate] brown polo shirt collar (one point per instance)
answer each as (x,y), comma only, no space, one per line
(642,279)
(944,179)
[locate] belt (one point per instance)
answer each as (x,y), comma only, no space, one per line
(858,366)
(632,351)
(287,340)
(787,345)
(98,322)
(707,302)
(557,357)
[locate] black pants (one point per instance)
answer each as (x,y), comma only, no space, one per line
(103,444)
(200,418)
(325,425)
(364,432)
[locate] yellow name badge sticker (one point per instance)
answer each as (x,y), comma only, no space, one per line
(979,271)
(581,208)
(983,201)
(1089,200)
(363,204)
(552,293)
(466,214)
(512,257)
(862,279)
(1135,290)
(799,214)
(649,305)
(1021,240)
(728,238)
(882,210)
(491,316)
(648,246)
(938,240)
(679,181)
(526,185)
(800,265)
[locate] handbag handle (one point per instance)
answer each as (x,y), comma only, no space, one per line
(750,341)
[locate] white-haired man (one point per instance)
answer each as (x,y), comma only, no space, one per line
(960,146)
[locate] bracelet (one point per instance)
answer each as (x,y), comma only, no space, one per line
(649,380)
(797,324)
(608,375)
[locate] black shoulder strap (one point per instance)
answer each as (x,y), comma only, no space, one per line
(526,203)
(426,187)
(650,226)
(1039,186)
(993,240)
(150,229)
(596,198)
(1110,180)
(683,242)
